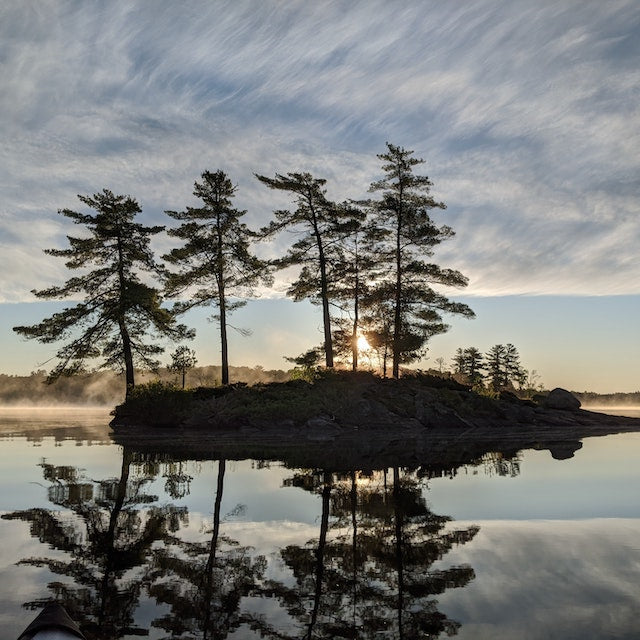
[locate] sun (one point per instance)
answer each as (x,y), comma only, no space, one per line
(363,344)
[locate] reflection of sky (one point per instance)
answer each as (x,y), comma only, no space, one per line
(549,579)
(600,481)
(557,555)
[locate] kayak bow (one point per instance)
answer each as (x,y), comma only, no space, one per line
(52,623)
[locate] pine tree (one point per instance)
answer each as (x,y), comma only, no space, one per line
(350,282)
(495,366)
(460,361)
(215,262)
(117,310)
(474,364)
(321,225)
(410,236)
(469,362)
(182,359)
(513,370)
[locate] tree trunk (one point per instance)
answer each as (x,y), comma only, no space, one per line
(397,318)
(322,543)
(356,305)
(324,293)
(124,333)
(354,549)
(223,336)
(211,560)
(398,517)
(128,357)
(110,541)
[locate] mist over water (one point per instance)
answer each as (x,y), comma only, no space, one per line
(629,410)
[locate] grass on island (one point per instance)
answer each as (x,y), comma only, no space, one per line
(336,395)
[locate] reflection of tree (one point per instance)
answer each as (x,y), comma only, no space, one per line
(203,582)
(374,578)
(104,539)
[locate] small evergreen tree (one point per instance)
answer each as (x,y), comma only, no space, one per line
(469,363)
(460,362)
(474,364)
(494,359)
(117,310)
(513,370)
(182,359)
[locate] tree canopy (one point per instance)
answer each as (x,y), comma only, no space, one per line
(321,225)
(215,262)
(117,310)
(408,236)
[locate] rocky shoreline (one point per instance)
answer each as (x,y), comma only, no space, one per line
(369,423)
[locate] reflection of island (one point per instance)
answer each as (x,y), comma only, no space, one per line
(105,540)
(203,582)
(372,571)
(369,574)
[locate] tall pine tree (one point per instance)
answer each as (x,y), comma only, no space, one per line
(321,227)
(116,309)
(215,262)
(405,275)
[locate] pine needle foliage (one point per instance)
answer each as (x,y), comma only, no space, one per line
(406,276)
(117,310)
(214,264)
(321,225)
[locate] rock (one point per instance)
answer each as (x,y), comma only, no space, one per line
(321,422)
(507,396)
(564,450)
(561,399)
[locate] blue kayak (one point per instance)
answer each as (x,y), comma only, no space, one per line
(52,623)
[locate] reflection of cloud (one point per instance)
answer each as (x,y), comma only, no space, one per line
(26,583)
(548,579)
(526,113)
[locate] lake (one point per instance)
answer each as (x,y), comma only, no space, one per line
(506,546)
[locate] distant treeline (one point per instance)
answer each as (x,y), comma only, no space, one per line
(106,388)
(612,399)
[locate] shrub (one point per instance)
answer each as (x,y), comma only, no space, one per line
(157,404)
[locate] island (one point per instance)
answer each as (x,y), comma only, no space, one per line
(357,418)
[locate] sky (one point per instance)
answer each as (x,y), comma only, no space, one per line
(526,114)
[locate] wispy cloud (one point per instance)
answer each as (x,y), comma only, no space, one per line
(526,113)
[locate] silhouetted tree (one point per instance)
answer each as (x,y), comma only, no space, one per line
(321,225)
(350,283)
(101,551)
(215,262)
(117,310)
(183,359)
(494,360)
(378,320)
(469,362)
(503,366)
(376,580)
(203,582)
(514,372)
(410,236)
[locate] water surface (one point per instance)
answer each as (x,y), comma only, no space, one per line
(142,544)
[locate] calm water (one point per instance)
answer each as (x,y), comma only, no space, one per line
(524,547)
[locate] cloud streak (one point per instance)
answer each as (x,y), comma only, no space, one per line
(526,113)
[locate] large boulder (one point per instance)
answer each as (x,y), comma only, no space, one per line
(561,399)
